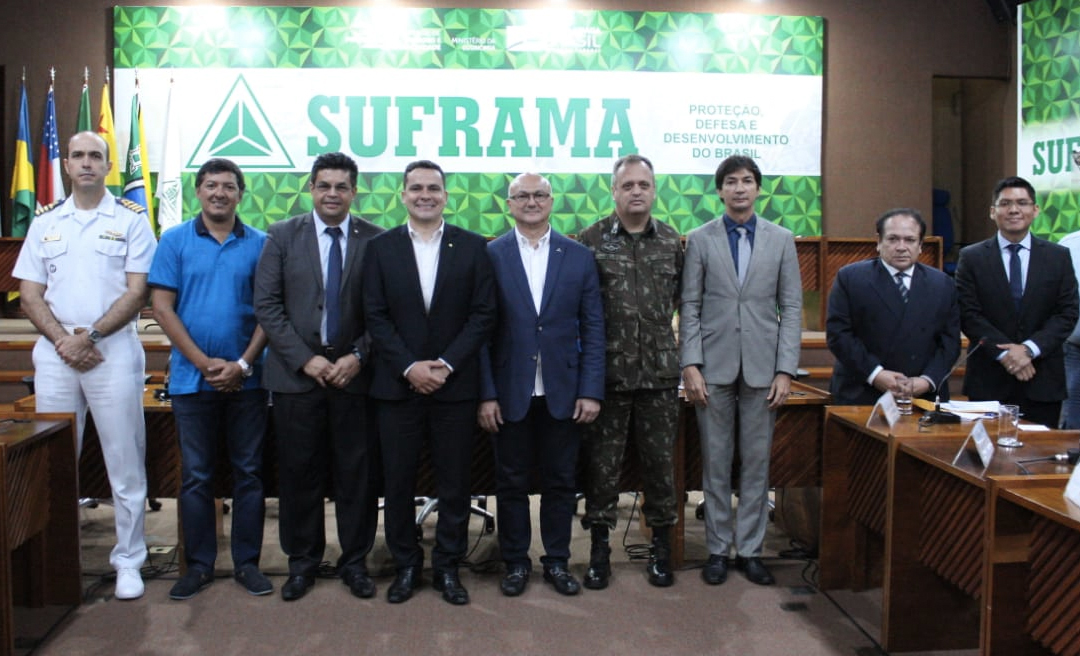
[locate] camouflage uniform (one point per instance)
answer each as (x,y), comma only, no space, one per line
(639,281)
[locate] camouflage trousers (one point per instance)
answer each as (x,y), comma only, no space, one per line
(650,417)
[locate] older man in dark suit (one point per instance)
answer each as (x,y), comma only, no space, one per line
(543,378)
(429,300)
(892,323)
(308,300)
(1017,295)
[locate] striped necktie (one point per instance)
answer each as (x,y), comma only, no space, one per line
(901,286)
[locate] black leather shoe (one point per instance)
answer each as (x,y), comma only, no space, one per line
(359,583)
(515,580)
(562,579)
(755,570)
(715,571)
(406,580)
(450,586)
(296,586)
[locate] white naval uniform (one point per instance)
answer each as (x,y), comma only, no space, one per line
(82,258)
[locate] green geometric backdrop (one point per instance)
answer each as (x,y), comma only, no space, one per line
(477,201)
(1050,93)
(319,37)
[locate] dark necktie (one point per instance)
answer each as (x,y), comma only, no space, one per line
(1016,276)
(901,286)
(333,286)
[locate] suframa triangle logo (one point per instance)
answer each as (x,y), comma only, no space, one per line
(241,132)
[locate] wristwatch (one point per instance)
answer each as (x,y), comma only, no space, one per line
(245,368)
(359,358)
(94,335)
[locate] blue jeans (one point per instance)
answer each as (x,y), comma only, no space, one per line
(202,420)
(1072,385)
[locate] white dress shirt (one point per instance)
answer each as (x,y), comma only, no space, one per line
(535,261)
(427,260)
(1025,260)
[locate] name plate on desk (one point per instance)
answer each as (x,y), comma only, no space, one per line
(1072,490)
(887,404)
(984,446)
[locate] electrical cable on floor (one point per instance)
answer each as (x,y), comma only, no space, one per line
(638,551)
(809,575)
(489,565)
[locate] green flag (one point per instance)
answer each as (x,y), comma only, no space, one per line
(85,124)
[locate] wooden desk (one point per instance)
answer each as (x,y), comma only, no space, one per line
(796,456)
(1032,572)
(162,454)
(898,513)
(39,527)
(795,461)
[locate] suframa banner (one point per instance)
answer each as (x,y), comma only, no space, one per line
(487,93)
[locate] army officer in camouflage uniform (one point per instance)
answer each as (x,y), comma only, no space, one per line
(640,261)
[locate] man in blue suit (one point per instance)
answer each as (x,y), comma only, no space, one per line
(892,322)
(542,377)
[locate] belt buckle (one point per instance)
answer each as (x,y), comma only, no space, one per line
(329,352)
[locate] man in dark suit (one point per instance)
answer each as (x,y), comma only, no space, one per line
(317,371)
(892,322)
(429,301)
(543,376)
(1018,298)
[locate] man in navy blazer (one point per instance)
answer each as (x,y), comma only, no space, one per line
(1018,298)
(886,337)
(542,377)
(429,303)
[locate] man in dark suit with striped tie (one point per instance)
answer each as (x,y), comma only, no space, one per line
(1018,296)
(892,321)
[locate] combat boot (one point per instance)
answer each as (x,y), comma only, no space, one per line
(599,559)
(659,568)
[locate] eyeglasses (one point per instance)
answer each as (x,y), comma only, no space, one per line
(1005,204)
(538,196)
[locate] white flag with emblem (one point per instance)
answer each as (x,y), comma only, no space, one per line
(170,189)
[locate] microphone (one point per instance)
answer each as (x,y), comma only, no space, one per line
(939,416)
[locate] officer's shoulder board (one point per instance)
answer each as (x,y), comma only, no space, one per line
(48,208)
(131,205)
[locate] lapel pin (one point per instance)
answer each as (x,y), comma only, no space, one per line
(450,244)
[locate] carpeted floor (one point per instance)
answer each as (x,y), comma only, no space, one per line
(628,618)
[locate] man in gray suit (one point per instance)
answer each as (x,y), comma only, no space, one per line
(317,371)
(739,333)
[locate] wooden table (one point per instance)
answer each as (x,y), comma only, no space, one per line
(897,512)
(39,527)
(795,461)
(796,456)
(1032,572)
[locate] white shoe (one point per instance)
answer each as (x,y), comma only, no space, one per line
(129,583)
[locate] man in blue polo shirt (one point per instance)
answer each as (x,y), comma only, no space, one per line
(202,281)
